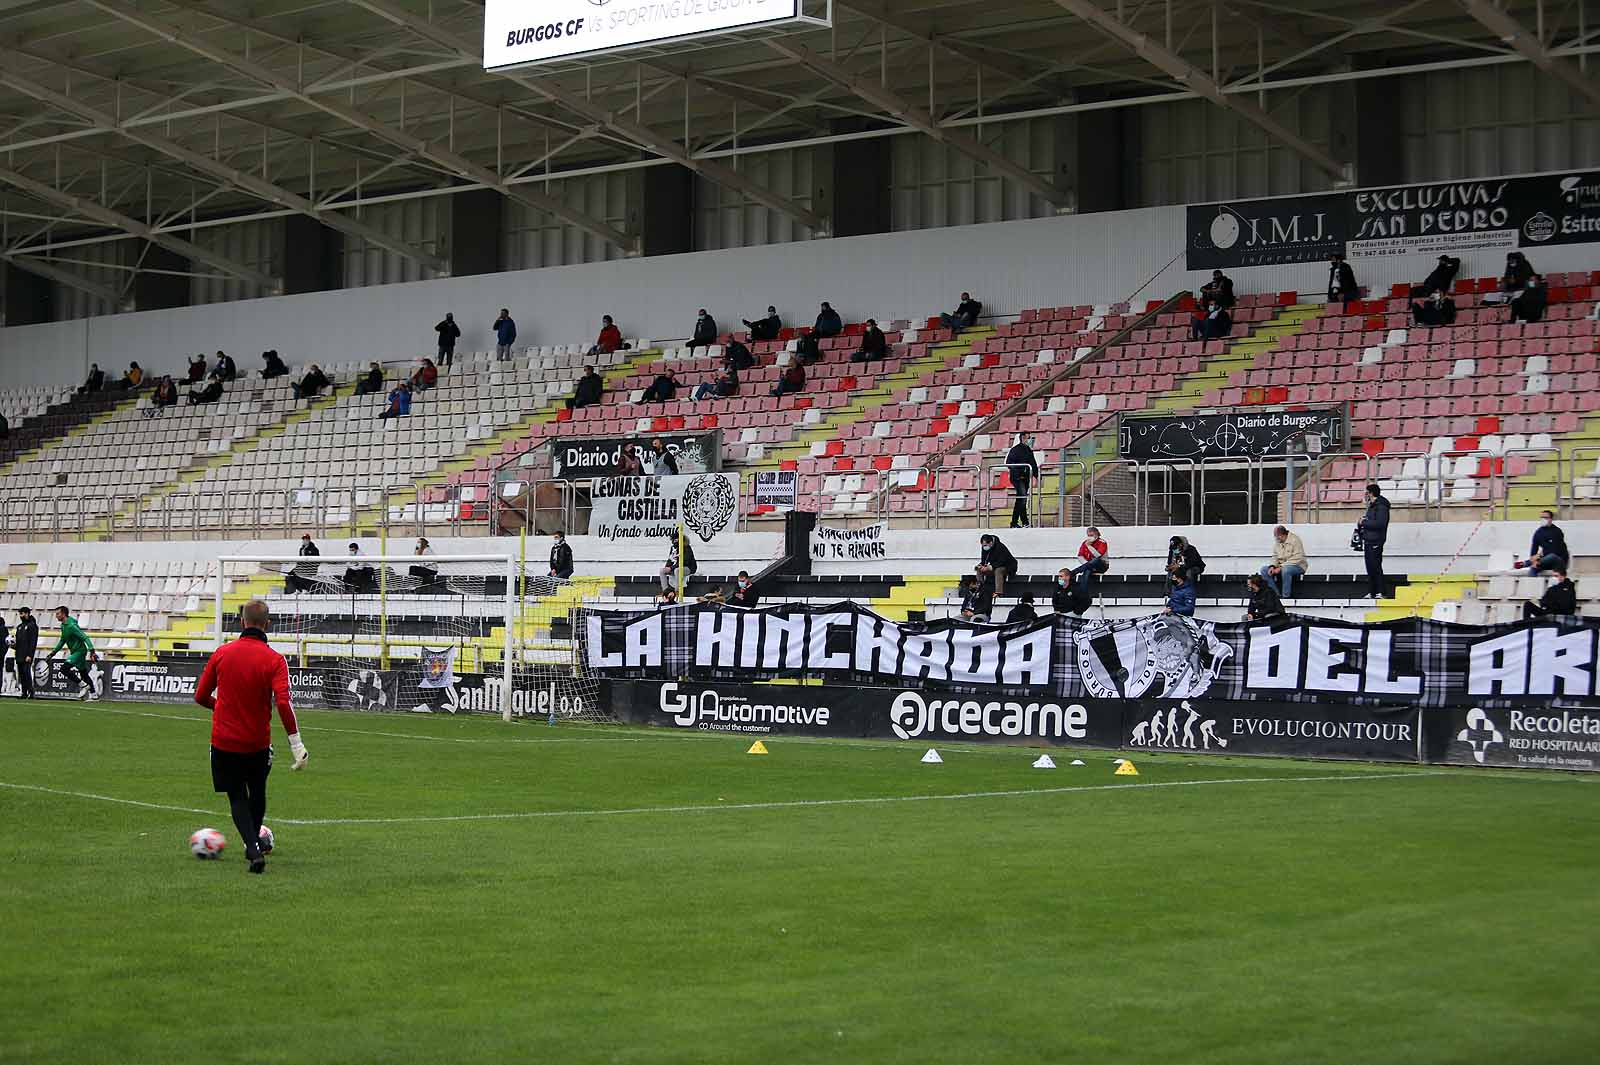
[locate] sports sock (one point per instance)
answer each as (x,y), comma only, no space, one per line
(244,820)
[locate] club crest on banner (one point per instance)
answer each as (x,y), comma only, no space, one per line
(708,505)
(1167,656)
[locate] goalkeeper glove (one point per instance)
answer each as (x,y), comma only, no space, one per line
(297,747)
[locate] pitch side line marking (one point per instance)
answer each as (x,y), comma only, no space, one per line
(108,798)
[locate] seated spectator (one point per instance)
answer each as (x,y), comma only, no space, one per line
(610,338)
(628,462)
(1023,611)
(793,379)
(766,328)
(1197,320)
(669,571)
(995,562)
(225,367)
(399,405)
(1440,279)
(668,597)
(1560,598)
(874,346)
(1093,552)
(274,366)
(425,377)
(1218,290)
(1180,600)
(1183,557)
(1288,562)
(705,331)
(1214,325)
(828,323)
(723,385)
(964,316)
(132,378)
(358,575)
(166,394)
(371,382)
(1437,309)
(1264,602)
(1342,287)
(977,598)
(1519,271)
(561,558)
(1549,547)
(808,350)
(743,593)
(197,370)
(505,334)
(662,389)
(309,386)
(591,387)
(210,393)
(1069,596)
(1529,304)
(303,577)
(739,357)
(663,463)
(95,381)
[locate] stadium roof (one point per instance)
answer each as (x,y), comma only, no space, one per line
(152,118)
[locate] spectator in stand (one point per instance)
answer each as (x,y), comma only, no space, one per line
(1024,470)
(1288,562)
(1180,600)
(1219,290)
(1264,602)
(725,384)
(371,382)
(965,316)
(449,333)
(1529,304)
(739,357)
(828,323)
(95,381)
(874,346)
(132,377)
(667,598)
(1197,320)
(303,577)
(1023,611)
(1373,530)
(425,377)
(610,338)
(1183,557)
(311,384)
(399,405)
(197,370)
(274,366)
(225,367)
(1218,322)
(561,558)
(669,571)
(995,562)
(505,334)
(1069,596)
(1549,547)
(977,598)
(1560,598)
(663,462)
(166,395)
(1342,287)
(793,379)
(766,328)
(628,462)
(1440,279)
(743,593)
(705,331)
(426,574)
(358,575)
(210,393)
(1093,552)
(1519,271)
(1437,309)
(662,389)
(591,387)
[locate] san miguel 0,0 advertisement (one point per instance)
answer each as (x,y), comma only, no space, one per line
(520,32)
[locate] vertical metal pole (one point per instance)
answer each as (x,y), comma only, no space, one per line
(219,603)
(505,652)
(680,563)
(383,601)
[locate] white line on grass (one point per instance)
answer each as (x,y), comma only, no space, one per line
(107,798)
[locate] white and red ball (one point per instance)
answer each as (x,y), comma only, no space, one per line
(267,840)
(207,843)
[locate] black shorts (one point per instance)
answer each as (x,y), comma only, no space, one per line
(230,769)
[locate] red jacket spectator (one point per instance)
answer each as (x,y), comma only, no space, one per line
(1090,550)
(610,338)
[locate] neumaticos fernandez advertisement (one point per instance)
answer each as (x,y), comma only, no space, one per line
(517,32)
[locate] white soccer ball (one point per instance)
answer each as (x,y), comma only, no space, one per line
(207,843)
(267,840)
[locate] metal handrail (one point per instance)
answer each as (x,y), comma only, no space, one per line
(1535,454)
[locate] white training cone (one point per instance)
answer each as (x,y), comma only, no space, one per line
(1077,761)
(932,758)
(1118,761)
(1044,761)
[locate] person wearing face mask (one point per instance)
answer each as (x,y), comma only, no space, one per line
(1024,470)
(1093,551)
(743,593)
(561,558)
(1180,600)
(1069,596)
(705,331)
(1183,557)
(1560,598)
(665,463)
(1373,530)
(358,576)
(1549,547)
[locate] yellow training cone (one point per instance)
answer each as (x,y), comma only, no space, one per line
(1126,769)
(757,748)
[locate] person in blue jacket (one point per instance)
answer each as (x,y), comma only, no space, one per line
(1549,548)
(505,334)
(1181,599)
(399,402)
(828,323)
(1374,530)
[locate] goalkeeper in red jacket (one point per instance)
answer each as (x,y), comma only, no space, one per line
(240,683)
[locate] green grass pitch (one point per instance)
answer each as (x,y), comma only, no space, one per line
(451,890)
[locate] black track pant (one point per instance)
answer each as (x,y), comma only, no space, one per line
(243,777)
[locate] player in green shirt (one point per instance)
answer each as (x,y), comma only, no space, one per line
(79,653)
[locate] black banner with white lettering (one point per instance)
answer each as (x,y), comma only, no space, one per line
(1411,662)
(578,458)
(1549,736)
(1232,434)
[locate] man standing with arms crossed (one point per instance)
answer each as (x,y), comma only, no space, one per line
(80,652)
(241,681)
(27,645)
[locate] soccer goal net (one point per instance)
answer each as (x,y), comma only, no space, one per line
(421,634)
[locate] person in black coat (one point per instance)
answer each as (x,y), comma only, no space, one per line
(371,383)
(95,381)
(1342,287)
(1070,596)
(312,383)
(1374,531)
(1519,271)
(1549,547)
(744,592)
(964,316)
(303,578)
(1437,309)
(662,389)
(739,357)
(1440,279)
(274,366)
(591,387)
(705,331)
(1023,611)
(1529,304)
(995,562)
(874,345)
(1024,470)
(977,596)
(1560,598)
(1183,557)
(26,645)
(1219,290)
(766,328)
(561,558)
(209,394)
(669,571)
(225,368)
(1264,601)
(449,333)
(665,462)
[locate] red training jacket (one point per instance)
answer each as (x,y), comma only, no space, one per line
(238,686)
(609,340)
(1098,545)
